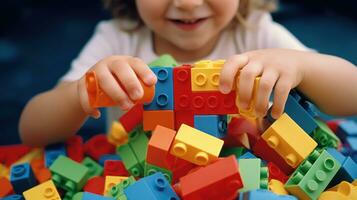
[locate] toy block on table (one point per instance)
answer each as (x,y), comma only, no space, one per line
(17,151)
(6,187)
(205,75)
(313,175)
(164,60)
(94,168)
(95,185)
(41,173)
(52,152)
(153,187)
(69,175)
(44,191)
(254,176)
(22,177)
(111,181)
(215,125)
(152,118)
(74,147)
(346,129)
(117,191)
(97,146)
(117,134)
(250,111)
(324,136)
(289,140)
(264,194)
(115,168)
(195,146)
(277,187)
(132,118)
(182,87)
(164,97)
(208,182)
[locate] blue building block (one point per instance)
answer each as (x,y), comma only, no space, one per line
(348,170)
(152,187)
(52,152)
(215,125)
(264,194)
(346,129)
(22,178)
(105,157)
(351,143)
(247,155)
(164,97)
(336,154)
(13,197)
(91,196)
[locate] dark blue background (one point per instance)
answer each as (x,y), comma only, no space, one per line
(38,40)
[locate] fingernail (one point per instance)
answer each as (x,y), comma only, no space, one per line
(150,79)
(224,89)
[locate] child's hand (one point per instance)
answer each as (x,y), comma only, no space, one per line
(127,70)
(278,69)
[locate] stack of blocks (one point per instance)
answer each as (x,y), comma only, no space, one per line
(178,146)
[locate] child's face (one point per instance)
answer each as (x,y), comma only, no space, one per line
(187,24)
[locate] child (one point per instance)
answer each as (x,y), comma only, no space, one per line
(190,30)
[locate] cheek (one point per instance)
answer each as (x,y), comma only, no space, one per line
(151,12)
(224,10)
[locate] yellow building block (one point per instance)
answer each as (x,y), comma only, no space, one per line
(117,134)
(44,191)
(289,140)
(277,187)
(36,153)
(250,112)
(195,146)
(111,181)
(4,171)
(205,75)
(346,189)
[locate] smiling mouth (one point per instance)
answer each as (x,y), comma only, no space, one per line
(188,24)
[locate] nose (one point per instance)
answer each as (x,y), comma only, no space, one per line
(187,4)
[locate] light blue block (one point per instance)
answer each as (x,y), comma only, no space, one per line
(91,196)
(215,125)
(347,172)
(14,197)
(346,129)
(336,154)
(247,155)
(52,152)
(264,194)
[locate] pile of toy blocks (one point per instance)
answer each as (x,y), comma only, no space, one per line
(186,140)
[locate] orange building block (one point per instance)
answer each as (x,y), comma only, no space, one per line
(98,98)
(5,187)
(42,174)
(153,118)
(158,151)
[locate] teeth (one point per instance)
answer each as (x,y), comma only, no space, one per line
(189,20)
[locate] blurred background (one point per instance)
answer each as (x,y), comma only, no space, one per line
(39,39)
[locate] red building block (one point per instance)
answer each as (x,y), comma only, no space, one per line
(114,168)
(276,173)
(152,118)
(184,117)
(182,87)
(262,149)
(41,173)
(5,187)
(179,168)
(95,185)
(74,147)
(97,146)
(209,182)
(241,132)
(9,154)
(132,118)
(214,103)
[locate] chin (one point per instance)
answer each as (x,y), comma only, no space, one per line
(190,45)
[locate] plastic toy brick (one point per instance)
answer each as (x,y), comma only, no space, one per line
(164,97)
(333,195)
(247,155)
(95,185)
(4,171)
(152,118)
(69,175)
(117,192)
(275,173)
(52,152)
(236,151)
(195,146)
(74,146)
(13,197)
(117,134)
(313,175)
(115,168)
(165,60)
(277,187)
(44,191)
(94,168)
(265,152)
(152,169)
(91,196)
(98,98)
(346,129)
(208,181)
(214,103)
(106,157)
(41,173)
(242,132)
(215,125)
(33,154)
(182,87)
(205,75)
(22,177)
(132,118)
(97,146)
(348,171)
(17,151)
(111,181)
(179,168)
(344,190)
(351,144)
(135,167)
(290,141)
(250,112)
(159,146)
(324,136)
(264,194)
(254,176)
(183,117)
(6,187)
(153,187)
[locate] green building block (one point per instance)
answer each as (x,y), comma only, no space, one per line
(152,169)
(69,175)
(236,151)
(253,175)
(78,196)
(313,175)
(138,142)
(165,60)
(324,136)
(94,168)
(130,161)
(117,192)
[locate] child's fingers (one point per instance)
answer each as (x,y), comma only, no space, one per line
(128,79)
(111,87)
(246,83)
(229,72)
(143,71)
(266,85)
(84,100)
(281,92)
